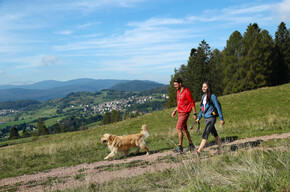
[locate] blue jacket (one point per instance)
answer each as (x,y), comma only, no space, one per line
(206,111)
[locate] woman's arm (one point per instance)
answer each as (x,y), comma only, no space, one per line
(217,106)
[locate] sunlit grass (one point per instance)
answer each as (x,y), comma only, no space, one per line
(252,170)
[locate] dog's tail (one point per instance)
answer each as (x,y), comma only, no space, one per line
(145,131)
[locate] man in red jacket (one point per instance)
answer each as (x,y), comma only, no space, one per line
(185,104)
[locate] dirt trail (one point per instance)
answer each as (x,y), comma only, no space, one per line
(102,171)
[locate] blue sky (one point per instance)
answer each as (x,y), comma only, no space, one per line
(119,39)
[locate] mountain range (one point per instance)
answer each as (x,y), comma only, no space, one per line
(51,89)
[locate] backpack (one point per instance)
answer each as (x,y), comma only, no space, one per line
(215,111)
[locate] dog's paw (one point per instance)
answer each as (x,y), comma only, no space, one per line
(148,153)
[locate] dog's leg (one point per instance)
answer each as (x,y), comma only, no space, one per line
(112,154)
(125,153)
(147,150)
(137,150)
(143,146)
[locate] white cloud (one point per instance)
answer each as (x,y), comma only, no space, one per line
(153,22)
(244,14)
(67,32)
(283,10)
(49,60)
(247,10)
(1,72)
(31,62)
(89,24)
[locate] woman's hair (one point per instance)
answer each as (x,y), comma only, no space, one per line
(208,92)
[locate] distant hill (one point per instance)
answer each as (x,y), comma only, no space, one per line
(136,85)
(47,90)
(86,82)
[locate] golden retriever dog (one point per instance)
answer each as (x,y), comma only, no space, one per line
(124,143)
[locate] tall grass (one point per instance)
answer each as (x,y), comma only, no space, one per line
(253,171)
(246,171)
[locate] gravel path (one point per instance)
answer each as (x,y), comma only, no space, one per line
(102,171)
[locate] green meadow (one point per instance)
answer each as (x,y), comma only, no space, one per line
(247,114)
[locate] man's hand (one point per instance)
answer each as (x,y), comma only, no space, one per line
(173,113)
(197,120)
(222,122)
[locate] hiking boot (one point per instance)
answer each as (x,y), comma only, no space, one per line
(190,148)
(179,149)
(198,154)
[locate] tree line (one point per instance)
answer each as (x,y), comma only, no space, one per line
(17,104)
(248,61)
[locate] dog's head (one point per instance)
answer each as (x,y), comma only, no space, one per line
(144,131)
(107,138)
(144,128)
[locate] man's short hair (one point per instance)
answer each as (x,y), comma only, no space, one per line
(177,80)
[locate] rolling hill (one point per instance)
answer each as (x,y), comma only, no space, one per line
(47,90)
(136,85)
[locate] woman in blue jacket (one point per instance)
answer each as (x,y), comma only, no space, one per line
(209,108)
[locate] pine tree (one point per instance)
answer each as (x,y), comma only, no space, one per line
(249,54)
(74,128)
(282,47)
(216,72)
(266,60)
(119,116)
(231,62)
(116,116)
(126,115)
(171,102)
(257,59)
(42,130)
(137,113)
(198,69)
(14,133)
(25,134)
(64,128)
(132,115)
(56,128)
(106,119)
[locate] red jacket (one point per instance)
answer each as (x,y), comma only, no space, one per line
(184,101)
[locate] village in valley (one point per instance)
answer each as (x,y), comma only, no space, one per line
(121,104)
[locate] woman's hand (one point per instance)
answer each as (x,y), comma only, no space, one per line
(223,122)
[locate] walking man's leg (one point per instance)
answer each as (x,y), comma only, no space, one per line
(187,135)
(180,136)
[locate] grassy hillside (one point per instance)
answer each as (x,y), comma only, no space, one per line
(251,113)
